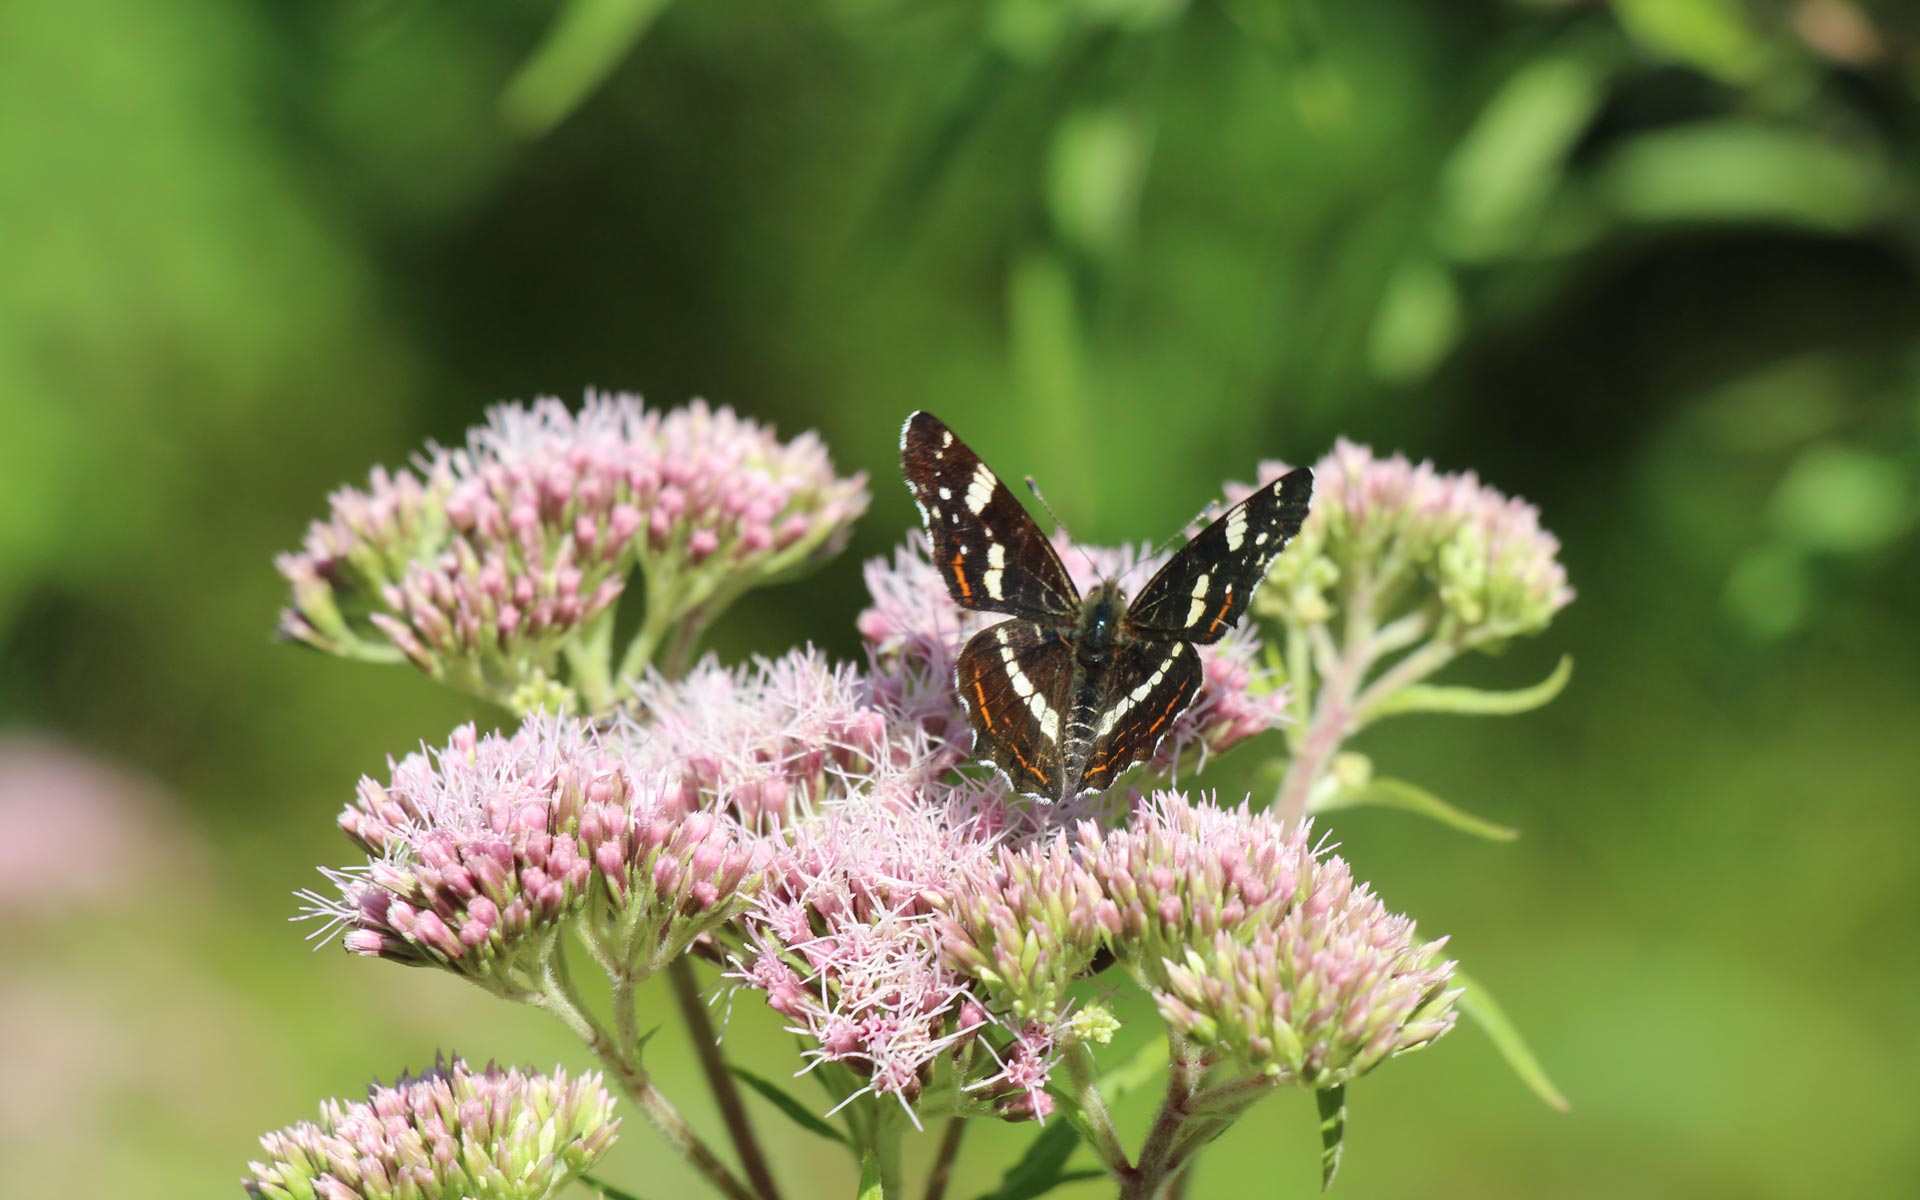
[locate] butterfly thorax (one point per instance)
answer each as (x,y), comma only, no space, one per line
(1099,627)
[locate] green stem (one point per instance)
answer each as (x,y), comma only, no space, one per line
(1334,710)
(1157,1163)
(686,990)
(1299,684)
(626,1016)
(1232,1099)
(1410,670)
(876,1122)
(560,999)
(589,661)
(1080,1072)
(1176,1188)
(1327,730)
(662,605)
(686,635)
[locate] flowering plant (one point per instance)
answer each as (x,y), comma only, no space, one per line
(811,833)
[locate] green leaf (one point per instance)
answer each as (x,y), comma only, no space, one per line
(1500,181)
(1398,793)
(870,1177)
(606,1189)
(586,41)
(1418,322)
(1736,171)
(1483,1010)
(1713,35)
(795,1111)
(1842,500)
(1042,1167)
(1333,1130)
(1476,701)
(1094,171)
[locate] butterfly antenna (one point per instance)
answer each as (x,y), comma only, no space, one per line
(1179,536)
(1058,524)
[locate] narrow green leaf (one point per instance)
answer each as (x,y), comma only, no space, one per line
(1333,1130)
(586,41)
(1475,701)
(870,1177)
(795,1111)
(607,1190)
(1041,1168)
(1398,793)
(1482,1009)
(1714,35)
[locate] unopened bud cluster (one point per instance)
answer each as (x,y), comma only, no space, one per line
(479,853)
(1409,533)
(484,563)
(1251,945)
(450,1133)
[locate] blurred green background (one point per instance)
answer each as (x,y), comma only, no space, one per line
(1653,265)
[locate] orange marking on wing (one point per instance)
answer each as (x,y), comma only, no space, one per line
(985,718)
(1222,614)
(1166,712)
(1024,764)
(960,575)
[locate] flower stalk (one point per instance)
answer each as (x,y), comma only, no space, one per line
(622,1063)
(686,993)
(1098,1123)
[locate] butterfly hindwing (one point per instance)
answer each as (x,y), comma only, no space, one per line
(1146,691)
(985,544)
(1016,679)
(1205,588)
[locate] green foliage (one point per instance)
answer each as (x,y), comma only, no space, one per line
(1398,793)
(1332,1103)
(789,1107)
(1479,1006)
(1043,1167)
(1468,701)
(607,1190)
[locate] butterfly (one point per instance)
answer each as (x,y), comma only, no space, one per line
(1075,689)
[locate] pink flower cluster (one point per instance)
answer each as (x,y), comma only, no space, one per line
(1252,945)
(843,939)
(913,624)
(447,1132)
(1029,924)
(696,482)
(1256,947)
(770,740)
(1495,569)
(480,565)
(480,851)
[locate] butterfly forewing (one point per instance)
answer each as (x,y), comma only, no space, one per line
(985,544)
(1016,679)
(1146,690)
(1205,588)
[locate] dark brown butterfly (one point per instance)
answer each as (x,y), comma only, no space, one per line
(1073,690)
